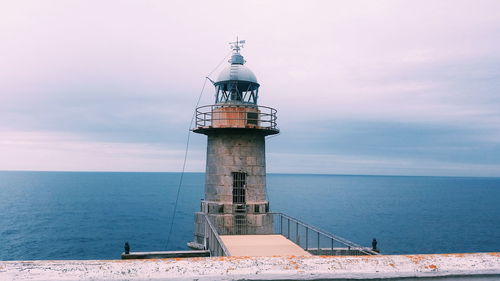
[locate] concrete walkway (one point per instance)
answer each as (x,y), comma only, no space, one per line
(261,245)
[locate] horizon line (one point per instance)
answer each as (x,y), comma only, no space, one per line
(271,173)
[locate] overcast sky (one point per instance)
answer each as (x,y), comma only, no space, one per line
(361,87)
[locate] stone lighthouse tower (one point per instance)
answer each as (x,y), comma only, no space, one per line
(236,126)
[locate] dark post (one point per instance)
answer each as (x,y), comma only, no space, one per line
(332,246)
(127,248)
(374,244)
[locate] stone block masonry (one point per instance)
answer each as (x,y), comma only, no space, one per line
(230,152)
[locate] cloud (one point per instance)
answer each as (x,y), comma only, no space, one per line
(384,81)
(67,152)
(347,165)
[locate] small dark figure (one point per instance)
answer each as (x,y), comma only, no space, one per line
(374,244)
(127,248)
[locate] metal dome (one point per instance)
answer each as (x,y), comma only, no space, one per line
(236,72)
(236,83)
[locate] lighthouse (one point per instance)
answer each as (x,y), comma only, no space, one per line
(236,126)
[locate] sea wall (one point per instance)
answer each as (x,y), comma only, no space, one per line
(258,268)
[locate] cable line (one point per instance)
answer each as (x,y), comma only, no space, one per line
(187,148)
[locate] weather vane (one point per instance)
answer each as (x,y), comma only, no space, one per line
(237,45)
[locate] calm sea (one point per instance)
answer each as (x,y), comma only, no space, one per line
(87,215)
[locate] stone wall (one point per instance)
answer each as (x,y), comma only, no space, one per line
(235,151)
(231,151)
(474,266)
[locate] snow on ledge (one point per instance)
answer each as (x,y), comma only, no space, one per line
(256,268)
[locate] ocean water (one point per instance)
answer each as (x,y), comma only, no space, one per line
(89,215)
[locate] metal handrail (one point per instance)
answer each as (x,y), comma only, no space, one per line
(266,116)
(213,242)
(349,244)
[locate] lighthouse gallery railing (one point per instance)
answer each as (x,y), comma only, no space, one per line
(261,117)
(213,243)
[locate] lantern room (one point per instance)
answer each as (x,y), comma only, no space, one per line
(236,83)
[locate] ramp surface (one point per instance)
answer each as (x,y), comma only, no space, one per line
(261,245)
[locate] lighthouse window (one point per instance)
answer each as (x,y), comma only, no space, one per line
(239,183)
(252,118)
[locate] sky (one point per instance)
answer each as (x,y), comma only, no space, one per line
(361,87)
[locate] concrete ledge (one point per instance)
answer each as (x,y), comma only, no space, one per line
(258,268)
(166,254)
(340,251)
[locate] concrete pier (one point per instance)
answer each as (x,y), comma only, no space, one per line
(478,266)
(166,254)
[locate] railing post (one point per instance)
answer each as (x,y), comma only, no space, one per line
(211,116)
(297,232)
(281,224)
(332,246)
(307,237)
(210,244)
(288,232)
(319,253)
(205,236)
